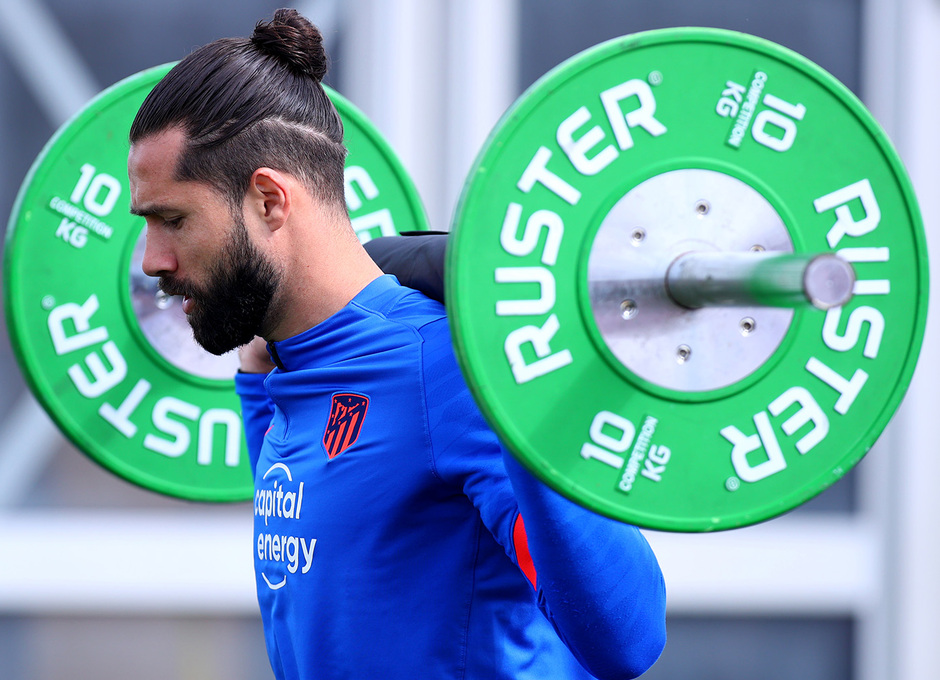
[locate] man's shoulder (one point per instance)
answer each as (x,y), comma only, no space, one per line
(391,302)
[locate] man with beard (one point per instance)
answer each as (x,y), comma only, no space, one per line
(389,534)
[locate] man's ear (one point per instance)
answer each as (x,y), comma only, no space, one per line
(269,195)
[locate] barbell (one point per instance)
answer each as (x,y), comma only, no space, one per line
(686,281)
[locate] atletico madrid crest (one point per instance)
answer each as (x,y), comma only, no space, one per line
(346,417)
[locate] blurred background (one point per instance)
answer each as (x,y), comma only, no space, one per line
(99,579)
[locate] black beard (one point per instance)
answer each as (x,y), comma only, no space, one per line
(232,308)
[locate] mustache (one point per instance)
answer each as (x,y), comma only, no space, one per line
(173,287)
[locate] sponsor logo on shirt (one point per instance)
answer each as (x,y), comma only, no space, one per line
(280,554)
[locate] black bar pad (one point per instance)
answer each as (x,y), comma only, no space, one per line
(415,258)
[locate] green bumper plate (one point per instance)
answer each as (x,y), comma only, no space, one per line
(633,152)
(110,358)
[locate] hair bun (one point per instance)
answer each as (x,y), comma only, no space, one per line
(294,40)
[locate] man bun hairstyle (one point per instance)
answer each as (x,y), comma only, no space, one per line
(246,103)
(294,40)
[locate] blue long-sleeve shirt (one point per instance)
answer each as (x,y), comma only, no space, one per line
(389,540)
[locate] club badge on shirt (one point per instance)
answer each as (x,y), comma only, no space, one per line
(347,413)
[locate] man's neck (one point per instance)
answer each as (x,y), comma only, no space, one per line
(319,285)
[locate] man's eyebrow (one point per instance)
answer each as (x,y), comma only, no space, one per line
(147,210)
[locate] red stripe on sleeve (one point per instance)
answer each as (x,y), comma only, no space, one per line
(521,543)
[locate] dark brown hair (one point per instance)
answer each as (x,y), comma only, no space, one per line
(246,103)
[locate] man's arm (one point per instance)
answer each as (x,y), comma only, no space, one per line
(597,580)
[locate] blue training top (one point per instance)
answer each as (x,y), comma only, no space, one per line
(388,537)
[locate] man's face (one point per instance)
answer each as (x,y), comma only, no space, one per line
(199,249)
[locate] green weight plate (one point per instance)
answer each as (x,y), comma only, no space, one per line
(613,164)
(109,357)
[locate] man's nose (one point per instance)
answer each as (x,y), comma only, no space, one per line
(158,257)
